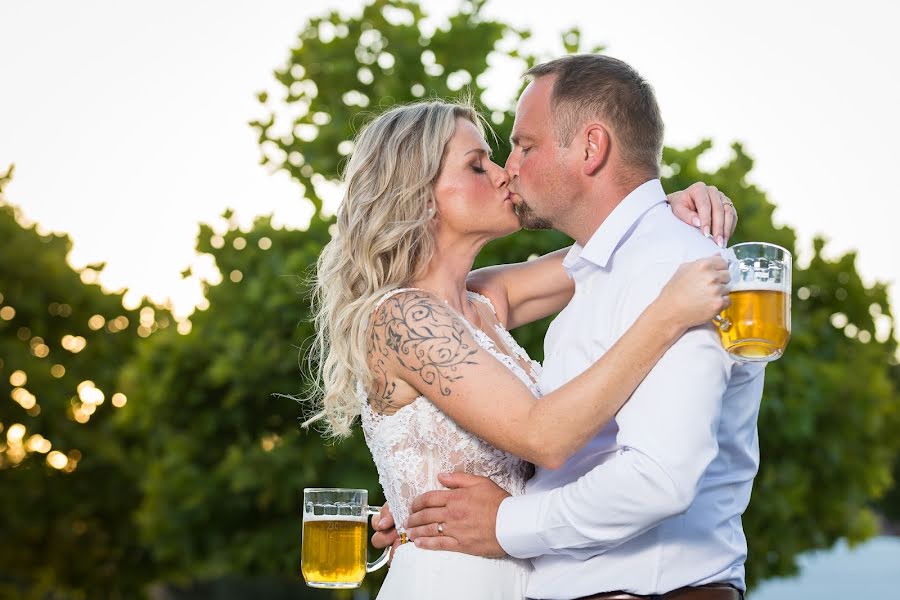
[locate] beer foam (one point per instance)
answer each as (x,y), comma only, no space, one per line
(759,286)
(307,518)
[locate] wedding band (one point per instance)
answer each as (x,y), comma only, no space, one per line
(441,528)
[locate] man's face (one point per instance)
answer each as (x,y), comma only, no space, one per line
(541,173)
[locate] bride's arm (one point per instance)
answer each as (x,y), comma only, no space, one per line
(528,291)
(525,292)
(418,340)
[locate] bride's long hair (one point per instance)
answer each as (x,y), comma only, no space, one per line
(382,241)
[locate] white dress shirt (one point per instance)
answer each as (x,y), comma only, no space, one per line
(654,501)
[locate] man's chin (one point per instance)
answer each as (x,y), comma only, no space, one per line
(530,221)
(536,225)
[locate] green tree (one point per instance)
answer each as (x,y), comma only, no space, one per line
(225,461)
(68,489)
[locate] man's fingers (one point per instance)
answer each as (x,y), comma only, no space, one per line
(442,542)
(459,480)
(431,499)
(426,516)
(423,531)
(428,530)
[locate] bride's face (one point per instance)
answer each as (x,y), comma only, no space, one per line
(472,192)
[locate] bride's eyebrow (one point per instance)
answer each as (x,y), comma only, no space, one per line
(479,150)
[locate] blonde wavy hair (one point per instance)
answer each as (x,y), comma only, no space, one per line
(382,241)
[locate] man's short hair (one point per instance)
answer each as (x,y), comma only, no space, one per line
(592,87)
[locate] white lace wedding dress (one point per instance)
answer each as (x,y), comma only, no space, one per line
(410,448)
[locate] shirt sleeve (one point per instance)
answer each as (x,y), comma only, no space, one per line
(666,440)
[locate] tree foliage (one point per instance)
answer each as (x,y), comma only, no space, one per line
(63,342)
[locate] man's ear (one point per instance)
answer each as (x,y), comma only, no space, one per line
(596,148)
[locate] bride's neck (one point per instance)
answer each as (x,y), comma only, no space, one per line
(445,275)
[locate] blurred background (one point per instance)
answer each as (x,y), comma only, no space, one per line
(168,175)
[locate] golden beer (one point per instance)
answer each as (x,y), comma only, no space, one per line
(759,324)
(334,550)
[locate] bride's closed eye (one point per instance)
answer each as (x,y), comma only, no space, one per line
(479,169)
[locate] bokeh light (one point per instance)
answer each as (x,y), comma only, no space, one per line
(73,343)
(18,378)
(57,460)
(15,433)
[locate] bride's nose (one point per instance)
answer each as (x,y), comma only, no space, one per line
(501,177)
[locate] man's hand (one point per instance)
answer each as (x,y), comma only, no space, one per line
(466,514)
(706,208)
(385,533)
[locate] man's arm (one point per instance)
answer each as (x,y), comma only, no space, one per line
(667,434)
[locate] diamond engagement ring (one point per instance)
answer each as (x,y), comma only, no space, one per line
(441,528)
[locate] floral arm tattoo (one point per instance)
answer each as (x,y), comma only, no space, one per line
(424,337)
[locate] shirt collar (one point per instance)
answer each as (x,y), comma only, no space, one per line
(603,243)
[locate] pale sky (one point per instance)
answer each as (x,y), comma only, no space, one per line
(128,121)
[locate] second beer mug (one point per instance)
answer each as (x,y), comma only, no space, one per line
(757,325)
(335,530)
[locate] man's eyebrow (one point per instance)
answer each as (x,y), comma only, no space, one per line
(481,150)
(515,139)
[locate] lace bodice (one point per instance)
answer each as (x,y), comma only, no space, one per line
(413,445)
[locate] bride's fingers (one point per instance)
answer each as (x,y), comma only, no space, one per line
(383,539)
(425,517)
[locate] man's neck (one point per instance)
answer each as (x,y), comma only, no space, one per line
(598,205)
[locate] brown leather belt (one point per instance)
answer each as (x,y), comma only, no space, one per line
(713,591)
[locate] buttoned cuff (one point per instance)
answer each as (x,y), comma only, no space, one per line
(517,526)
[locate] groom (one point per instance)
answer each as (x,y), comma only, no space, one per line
(652,506)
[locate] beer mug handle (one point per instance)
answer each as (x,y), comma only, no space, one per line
(386,555)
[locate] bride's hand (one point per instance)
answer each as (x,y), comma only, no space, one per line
(385,533)
(707,209)
(697,292)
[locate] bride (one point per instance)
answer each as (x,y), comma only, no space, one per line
(429,365)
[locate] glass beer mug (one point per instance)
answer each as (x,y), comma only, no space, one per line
(335,531)
(757,325)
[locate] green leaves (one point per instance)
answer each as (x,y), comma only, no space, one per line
(65,511)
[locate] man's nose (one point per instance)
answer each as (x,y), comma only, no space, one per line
(512,165)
